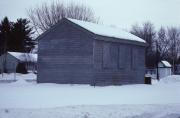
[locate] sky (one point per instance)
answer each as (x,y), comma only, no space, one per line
(120,13)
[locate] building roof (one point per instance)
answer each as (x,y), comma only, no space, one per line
(24,56)
(106,30)
(166,63)
(100,32)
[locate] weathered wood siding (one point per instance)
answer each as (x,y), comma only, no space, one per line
(10,63)
(65,56)
(117,63)
(68,54)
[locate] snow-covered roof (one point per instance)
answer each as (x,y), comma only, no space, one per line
(107,30)
(24,56)
(166,63)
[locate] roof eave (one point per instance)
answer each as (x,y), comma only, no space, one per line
(93,35)
(125,41)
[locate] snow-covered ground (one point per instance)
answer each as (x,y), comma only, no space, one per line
(17,76)
(22,99)
(96,111)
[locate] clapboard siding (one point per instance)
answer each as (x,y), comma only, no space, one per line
(66,67)
(10,63)
(130,61)
(69,76)
(69,54)
(65,56)
(118,78)
(68,59)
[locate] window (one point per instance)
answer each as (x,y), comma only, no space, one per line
(110,55)
(122,56)
(134,58)
(106,55)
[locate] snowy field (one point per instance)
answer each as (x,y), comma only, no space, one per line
(17,76)
(22,99)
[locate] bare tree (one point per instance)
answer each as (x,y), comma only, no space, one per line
(163,43)
(45,16)
(174,45)
(80,12)
(147,32)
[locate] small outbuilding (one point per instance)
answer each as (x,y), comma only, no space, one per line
(79,52)
(165,69)
(10,61)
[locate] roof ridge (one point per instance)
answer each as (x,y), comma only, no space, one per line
(105,30)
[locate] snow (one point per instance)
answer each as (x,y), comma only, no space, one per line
(24,56)
(55,95)
(19,82)
(17,76)
(170,79)
(22,99)
(166,63)
(103,111)
(106,30)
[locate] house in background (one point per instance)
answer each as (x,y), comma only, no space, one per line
(79,52)
(10,61)
(165,69)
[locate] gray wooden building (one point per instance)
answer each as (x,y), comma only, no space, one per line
(10,61)
(79,52)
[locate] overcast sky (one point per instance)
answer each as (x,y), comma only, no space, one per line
(121,13)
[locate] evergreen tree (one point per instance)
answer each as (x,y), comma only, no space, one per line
(5,33)
(15,36)
(21,40)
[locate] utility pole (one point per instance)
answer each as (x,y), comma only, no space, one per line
(174,51)
(4,51)
(157,61)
